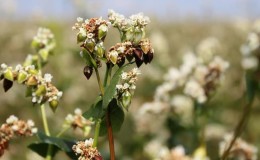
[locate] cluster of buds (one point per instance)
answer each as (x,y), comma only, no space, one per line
(142,52)
(14,127)
(199,79)
(131,29)
(78,121)
(125,89)
(91,35)
(39,87)
(251,49)
(240,150)
(43,43)
(86,150)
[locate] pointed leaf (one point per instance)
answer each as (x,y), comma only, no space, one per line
(95,112)
(116,116)
(42,148)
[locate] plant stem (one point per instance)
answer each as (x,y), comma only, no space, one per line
(97,129)
(99,82)
(108,121)
(62,131)
(239,128)
(110,136)
(47,132)
(44,120)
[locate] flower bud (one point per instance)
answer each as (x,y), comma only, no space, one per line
(81,37)
(113,56)
(9,75)
(129,35)
(102,31)
(99,50)
(40,90)
(44,53)
(90,45)
(138,35)
(33,71)
(32,81)
(21,77)
(126,100)
(54,104)
(88,71)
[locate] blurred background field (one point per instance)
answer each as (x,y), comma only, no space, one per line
(176,26)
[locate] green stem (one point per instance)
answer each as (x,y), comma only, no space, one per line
(47,132)
(107,75)
(62,131)
(97,129)
(44,120)
(99,82)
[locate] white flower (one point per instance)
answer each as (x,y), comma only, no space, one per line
(119,86)
(126,86)
(78,150)
(79,19)
(250,63)
(253,41)
(69,118)
(3,66)
(89,142)
(78,111)
(59,94)
(136,71)
(34,130)
(15,128)
(11,119)
(121,49)
(30,123)
(48,77)
(195,90)
(103,28)
(219,63)
(124,76)
(34,99)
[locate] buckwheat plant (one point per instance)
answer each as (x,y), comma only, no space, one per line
(118,85)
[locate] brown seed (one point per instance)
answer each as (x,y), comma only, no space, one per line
(7,84)
(88,71)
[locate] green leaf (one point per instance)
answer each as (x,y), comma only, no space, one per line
(111,89)
(116,116)
(41,149)
(58,144)
(89,59)
(95,112)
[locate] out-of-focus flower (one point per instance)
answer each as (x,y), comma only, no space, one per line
(251,49)
(78,121)
(15,127)
(86,150)
(241,149)
(207,49)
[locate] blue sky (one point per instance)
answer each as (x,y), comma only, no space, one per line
(163,9)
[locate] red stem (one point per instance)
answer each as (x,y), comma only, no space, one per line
(110,136)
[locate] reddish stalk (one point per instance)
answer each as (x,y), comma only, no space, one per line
(110,136)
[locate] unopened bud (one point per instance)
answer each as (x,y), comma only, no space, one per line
(102,31)
(44,53)
(81,37)
(32,81)
(21,77)
(99,49)
(54,104)
(90,45)
(129,35)
(40,90)
(126,100)
(9,75)
(113,56)
(138,35)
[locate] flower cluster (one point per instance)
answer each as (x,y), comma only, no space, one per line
(251,49)
(78,121)
(240,150)
(125,89)
(14,127)
(44,44)
(86,150)
(142,52)
(38,86)
(131,29)
(198,80)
